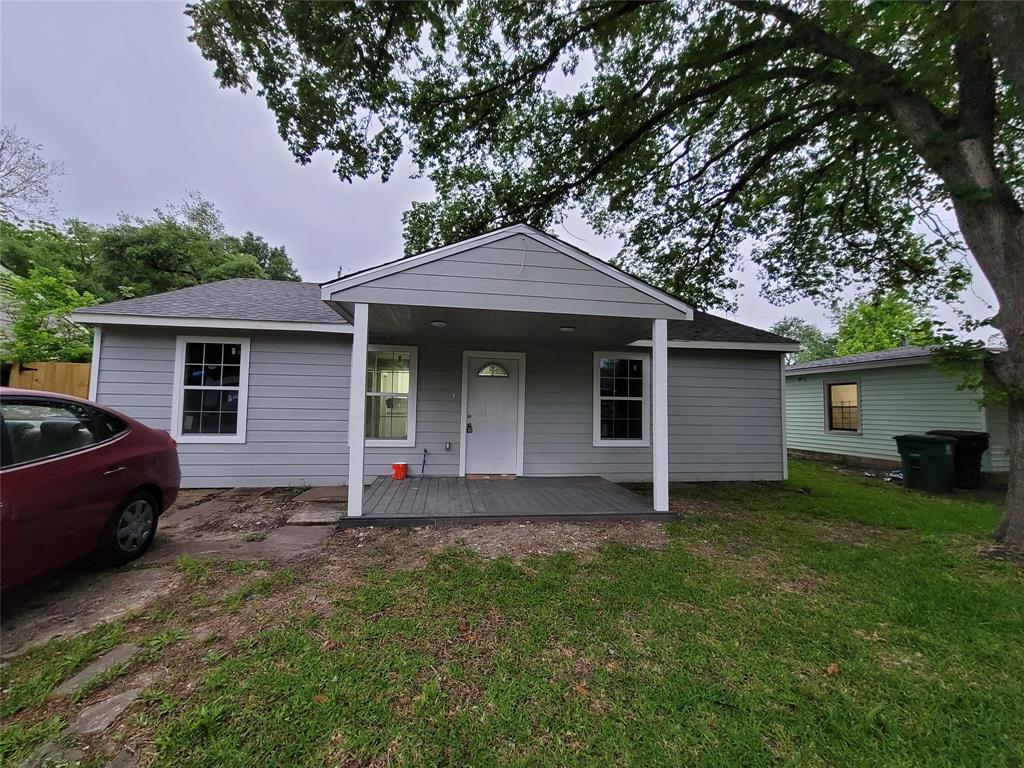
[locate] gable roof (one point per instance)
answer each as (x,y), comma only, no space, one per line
(882,358)
(332,287)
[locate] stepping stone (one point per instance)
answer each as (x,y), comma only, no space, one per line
(334,493)
(318,514)
(123,759)
(51,754)
(98,717)
(109,660)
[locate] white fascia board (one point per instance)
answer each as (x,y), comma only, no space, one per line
(858,366)
(102,319)
(327,290)
(748,346)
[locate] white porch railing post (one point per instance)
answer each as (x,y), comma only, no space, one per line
(357,411)
(659,360)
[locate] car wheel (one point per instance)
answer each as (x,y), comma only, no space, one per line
(132,528)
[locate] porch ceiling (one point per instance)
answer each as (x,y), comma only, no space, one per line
(394,323)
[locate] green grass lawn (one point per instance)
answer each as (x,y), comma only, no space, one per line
(828,621)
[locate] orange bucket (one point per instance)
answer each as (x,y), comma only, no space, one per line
(400,471)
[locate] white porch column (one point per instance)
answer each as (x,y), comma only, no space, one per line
(357,411)
(659,360)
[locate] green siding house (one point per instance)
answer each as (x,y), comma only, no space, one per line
(854,405)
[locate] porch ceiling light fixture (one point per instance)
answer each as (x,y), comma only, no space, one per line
(568,329)
(438,323)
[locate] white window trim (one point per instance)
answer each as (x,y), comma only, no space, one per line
(645,410)
(178,398)
(410,439)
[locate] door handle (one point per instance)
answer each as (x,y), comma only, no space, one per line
(469,429)
(115,471)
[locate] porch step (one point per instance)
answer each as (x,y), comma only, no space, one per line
(318,514)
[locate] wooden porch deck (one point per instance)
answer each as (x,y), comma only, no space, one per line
(430,500)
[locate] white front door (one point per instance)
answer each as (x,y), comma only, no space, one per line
(492,415)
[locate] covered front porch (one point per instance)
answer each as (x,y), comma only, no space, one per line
(431,500)
(512,354)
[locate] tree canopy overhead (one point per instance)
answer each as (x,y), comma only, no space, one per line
(824,134)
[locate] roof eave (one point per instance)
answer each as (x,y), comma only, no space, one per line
(151,321)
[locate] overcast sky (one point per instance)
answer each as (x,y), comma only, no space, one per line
(116,93)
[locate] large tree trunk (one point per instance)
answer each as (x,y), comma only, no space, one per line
(1011,529)
(994,231)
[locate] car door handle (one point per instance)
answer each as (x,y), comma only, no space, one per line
(115,471)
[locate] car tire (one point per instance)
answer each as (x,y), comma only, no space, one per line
(131,528)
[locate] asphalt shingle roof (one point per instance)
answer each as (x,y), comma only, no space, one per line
(706,327)
(284,301)
(900,353)
(240,298)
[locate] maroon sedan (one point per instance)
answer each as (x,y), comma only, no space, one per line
(76,478)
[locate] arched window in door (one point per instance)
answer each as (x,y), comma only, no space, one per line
(493,369)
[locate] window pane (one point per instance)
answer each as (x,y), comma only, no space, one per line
(214,354)
(844,413)
(229,402)
(212,376)
(387,417)
(193,399)
(228,423)
(194,353)
(636,388)
(231,376)
(606,385)
(193,375)
(190,423)
(209,422)
(636,369)
(388,371)
(233,354)
(42,429)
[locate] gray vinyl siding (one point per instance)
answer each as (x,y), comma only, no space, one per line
(725,415)
(724,412)
(297,411)
(516,273)
(893,401)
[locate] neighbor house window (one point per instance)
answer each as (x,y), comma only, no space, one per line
(843,407)
(211,383)
(391,395)
(620,399)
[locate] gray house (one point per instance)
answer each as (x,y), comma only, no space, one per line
(854,405)
(508,354)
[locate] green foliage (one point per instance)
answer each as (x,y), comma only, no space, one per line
(683,128)
(814,344)
(40,329)
(177,247)
(882,322)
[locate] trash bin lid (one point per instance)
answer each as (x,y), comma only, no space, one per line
(957,433)
(928,438)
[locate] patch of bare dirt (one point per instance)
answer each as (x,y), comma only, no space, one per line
(521,541)
(1002,552)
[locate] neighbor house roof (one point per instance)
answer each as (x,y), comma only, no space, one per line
(886,357)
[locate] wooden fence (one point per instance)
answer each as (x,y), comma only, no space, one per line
(67,378)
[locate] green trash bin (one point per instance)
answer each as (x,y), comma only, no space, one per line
(927,462)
